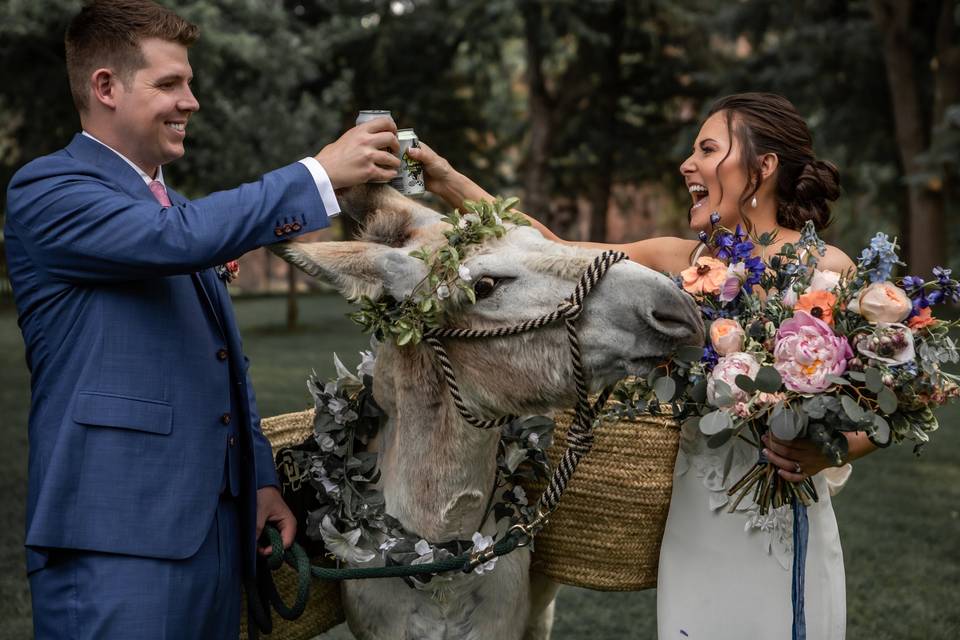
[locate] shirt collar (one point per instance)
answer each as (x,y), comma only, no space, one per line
(147,179)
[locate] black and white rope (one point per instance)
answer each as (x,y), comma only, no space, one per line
(580,434)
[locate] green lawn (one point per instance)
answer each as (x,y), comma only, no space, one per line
(899,516)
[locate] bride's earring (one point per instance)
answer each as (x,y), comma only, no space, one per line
(753,203)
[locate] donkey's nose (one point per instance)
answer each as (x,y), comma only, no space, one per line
(676,315)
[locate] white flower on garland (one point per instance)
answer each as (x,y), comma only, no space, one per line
(520,495)
(443,292)
(367,362)
(424,552)
(464,273)
(344,545)
(327,443)
(481,542)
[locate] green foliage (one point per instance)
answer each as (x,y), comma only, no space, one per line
(405,321)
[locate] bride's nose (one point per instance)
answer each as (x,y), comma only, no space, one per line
(687,166)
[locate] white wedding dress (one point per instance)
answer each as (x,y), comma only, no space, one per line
(728,575)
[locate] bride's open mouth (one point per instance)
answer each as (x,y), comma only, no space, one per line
(699,194)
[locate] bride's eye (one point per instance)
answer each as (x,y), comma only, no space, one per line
(485,286)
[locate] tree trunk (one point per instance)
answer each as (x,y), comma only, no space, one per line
(535,174)
(606,94)
(293,309)
(924,224)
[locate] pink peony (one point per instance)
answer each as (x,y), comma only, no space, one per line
(726,370)
(807,351)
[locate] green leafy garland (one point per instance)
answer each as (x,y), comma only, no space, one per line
(345,506)
(405,321)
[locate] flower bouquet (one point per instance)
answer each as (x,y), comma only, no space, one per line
(800,352)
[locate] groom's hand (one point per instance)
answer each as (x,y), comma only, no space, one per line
(271,508)
(365,153)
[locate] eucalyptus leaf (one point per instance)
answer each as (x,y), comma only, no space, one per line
(785,425)
(722,394)
(873,379)
(688,353)
(715,422)
(851,408)
(746,383)
(856,375)
(881,434)
(888,400)
(727,462)
(768,380)
(665,388)
(698,392)
(837,380)
(717,440)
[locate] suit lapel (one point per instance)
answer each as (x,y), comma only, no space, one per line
(89,150)
(202,280)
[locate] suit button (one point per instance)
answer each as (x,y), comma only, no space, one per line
(225,418)
(296,226)
(278,231)
(221,354)
(287,228)
(232,440)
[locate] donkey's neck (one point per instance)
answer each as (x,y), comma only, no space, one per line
(437,470)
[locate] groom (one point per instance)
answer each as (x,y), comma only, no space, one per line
(149,478)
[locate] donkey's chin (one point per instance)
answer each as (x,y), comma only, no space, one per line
(621,369)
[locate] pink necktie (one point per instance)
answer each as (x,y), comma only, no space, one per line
(159,192)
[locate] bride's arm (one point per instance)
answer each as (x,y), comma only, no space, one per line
(662,254)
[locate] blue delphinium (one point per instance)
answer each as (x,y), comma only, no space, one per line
(876,262)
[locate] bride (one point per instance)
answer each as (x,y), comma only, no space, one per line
(728,575)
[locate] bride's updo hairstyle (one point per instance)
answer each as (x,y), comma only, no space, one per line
(768,123)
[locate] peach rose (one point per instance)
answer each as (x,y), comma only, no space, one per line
(923,319)
(882,302)
(817,303)
(705,277)
(726,336)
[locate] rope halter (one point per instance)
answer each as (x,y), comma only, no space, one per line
(580,434)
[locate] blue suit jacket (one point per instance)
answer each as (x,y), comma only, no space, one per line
(125,324)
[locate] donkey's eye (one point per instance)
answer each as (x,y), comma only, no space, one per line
(485,286)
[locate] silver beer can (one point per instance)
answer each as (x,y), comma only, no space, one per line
(409,180)
(372,114)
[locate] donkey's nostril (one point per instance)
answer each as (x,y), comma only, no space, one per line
(678,319)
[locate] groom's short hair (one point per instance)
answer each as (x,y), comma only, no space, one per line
(107,33)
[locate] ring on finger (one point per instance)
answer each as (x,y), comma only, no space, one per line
(797,468)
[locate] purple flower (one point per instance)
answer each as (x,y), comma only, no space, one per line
(715,217)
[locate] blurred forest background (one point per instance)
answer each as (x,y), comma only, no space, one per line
(585,108)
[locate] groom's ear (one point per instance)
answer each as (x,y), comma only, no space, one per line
(355,268)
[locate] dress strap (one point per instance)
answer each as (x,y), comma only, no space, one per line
(697,253)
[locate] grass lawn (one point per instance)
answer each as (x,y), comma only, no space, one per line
(899,516)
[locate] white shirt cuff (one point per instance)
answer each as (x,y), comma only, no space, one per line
(322,181)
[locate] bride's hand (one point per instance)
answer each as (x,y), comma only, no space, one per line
(437,171)
(797,459)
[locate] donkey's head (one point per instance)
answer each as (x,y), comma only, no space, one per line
(632,319)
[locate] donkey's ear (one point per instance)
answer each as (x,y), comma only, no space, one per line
(355,269)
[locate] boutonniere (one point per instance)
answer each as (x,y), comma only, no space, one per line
(228,271)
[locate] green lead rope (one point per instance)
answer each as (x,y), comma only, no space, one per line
(263,589)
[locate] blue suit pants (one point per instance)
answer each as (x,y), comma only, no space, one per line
(84,595)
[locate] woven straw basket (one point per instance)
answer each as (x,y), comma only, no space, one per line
(324,609)
(606,532)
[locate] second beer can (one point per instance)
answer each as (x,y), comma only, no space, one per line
(409,180)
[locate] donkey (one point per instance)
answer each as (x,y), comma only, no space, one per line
(436,469)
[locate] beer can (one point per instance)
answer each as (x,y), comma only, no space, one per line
(409,180)
(372,114)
